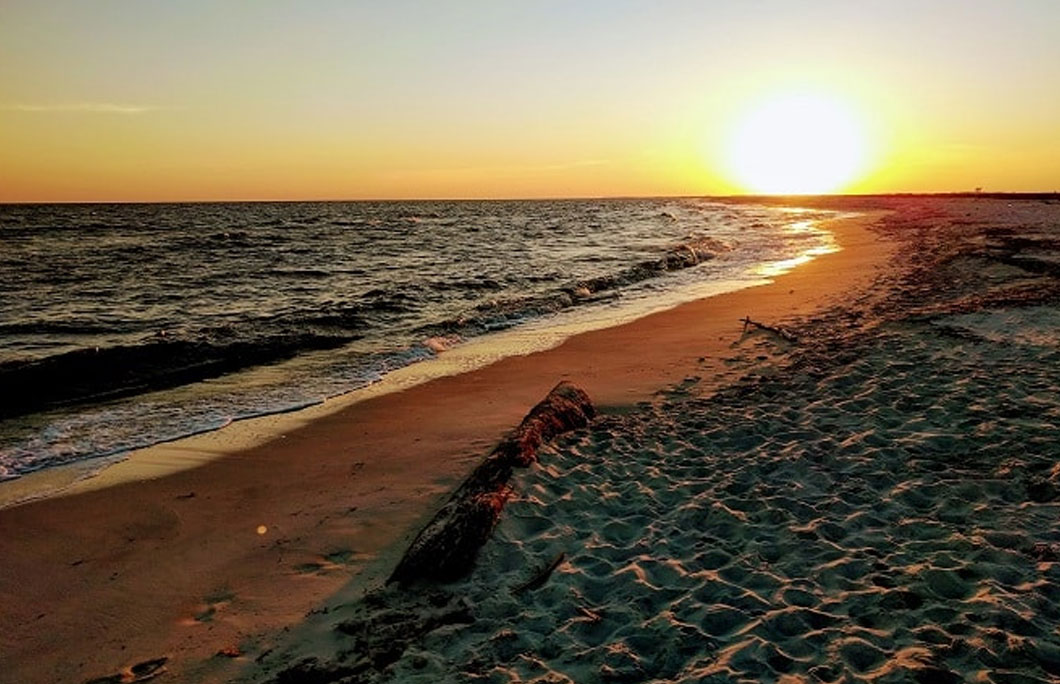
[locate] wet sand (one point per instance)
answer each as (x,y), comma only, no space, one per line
(221,556)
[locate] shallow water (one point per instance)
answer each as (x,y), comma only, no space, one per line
(126,325)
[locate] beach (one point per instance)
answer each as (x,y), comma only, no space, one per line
(866,496)
(877,505)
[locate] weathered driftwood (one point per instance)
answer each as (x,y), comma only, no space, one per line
(779,332)
(446,548)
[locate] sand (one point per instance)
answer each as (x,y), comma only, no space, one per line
(103,578)
(797,530)
(877,502)
(743,524)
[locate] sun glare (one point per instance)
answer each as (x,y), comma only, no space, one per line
(797,144)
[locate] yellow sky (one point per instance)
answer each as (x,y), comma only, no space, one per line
(201,100)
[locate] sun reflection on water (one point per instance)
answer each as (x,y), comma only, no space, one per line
(775,268)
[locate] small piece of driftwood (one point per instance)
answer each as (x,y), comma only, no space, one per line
(541,576)
(779,332)
(446,548)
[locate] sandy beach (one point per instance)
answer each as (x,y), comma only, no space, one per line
(877,505)
(876,501)
(174,565)
(530,342)
(871,499)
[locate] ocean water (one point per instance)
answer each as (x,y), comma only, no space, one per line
(123,326)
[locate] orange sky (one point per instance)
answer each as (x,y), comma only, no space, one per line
(131,100)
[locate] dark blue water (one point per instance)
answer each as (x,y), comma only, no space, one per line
(126,325)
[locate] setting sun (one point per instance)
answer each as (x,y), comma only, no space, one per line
(797,144)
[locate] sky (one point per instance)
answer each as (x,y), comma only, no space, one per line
(155,100)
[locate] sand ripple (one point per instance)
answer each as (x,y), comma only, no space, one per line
(891,519)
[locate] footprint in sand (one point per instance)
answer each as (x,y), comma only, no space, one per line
(328,562)
(140,672)
(212,603)
(340,557)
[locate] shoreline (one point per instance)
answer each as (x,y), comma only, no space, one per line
(197,448)
(194,363)
(195,533)
(875,501)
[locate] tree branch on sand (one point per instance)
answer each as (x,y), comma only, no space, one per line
(779,332)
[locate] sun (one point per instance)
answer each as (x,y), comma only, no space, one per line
(798,143)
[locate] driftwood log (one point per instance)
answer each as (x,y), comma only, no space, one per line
(779,332)
(446,548)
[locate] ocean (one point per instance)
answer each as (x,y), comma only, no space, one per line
(126,325)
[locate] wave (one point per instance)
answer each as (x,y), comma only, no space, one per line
(504,313)
(174,357)
(99,374)
(241,285)
(71,327)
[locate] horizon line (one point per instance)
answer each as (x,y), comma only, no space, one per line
(1000,194)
